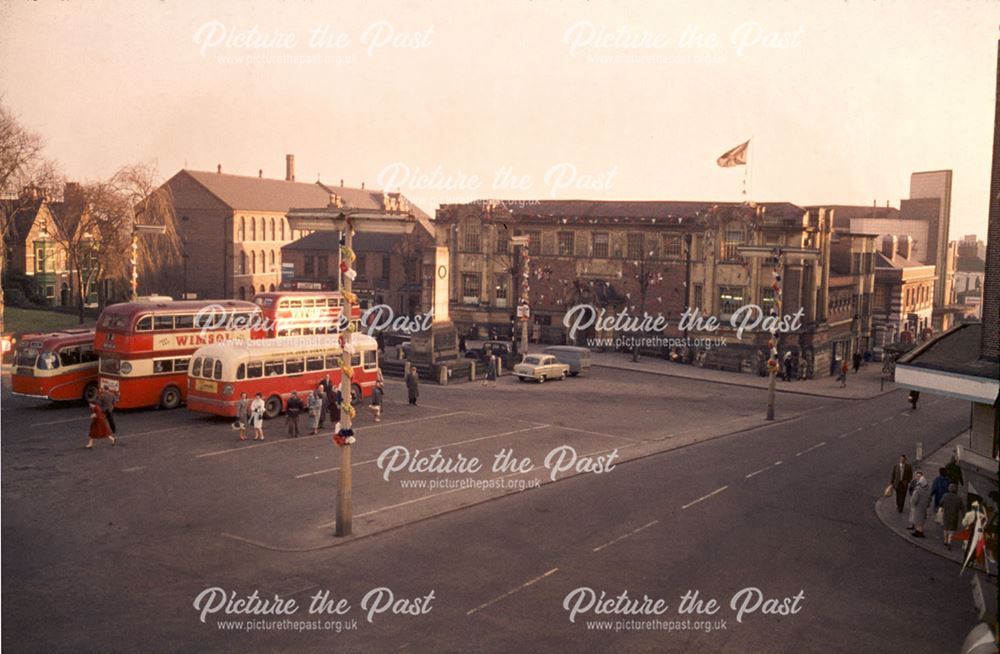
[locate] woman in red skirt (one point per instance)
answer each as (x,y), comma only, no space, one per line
(99,427)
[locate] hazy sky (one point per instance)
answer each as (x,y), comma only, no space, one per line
(611,100)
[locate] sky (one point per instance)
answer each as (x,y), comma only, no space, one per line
(458,101)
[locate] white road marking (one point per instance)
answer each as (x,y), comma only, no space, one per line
(511,592)
(432,447)
(595,433)
(814,447)
(886,419)
(624,536)
(704,497)
(134,469)
(60,422)
(279,441)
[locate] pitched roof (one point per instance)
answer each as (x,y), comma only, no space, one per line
(897,261)
(259,193)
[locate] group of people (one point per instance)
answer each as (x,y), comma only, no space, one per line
(912,488)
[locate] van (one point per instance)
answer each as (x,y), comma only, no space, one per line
(577,358)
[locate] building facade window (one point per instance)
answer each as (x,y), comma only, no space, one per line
(503,241)
(767,299)
(730,244)
(699,297)
(272,261)
(470,288)
(242,234)
(473,240)
(361,266)
(243,263)
(263,265)
(672,246)
(565,240)
(281,225)
(386,267)
(323,266)
(309,265)
(273,232)
(534,242)
(502,292)
(253,228)
(601,243)
(731,298)
(636,244)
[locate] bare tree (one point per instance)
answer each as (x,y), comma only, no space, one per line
(648,272)
(26,177)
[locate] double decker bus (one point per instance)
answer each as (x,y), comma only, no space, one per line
(302,313)
(57,366)
(145,346)
(274,368)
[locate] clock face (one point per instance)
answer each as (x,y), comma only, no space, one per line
(442,271)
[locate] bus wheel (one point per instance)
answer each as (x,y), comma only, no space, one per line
(170,398)
(272,408)
(355,394)
(90,393)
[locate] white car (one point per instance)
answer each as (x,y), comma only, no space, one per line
(540,367)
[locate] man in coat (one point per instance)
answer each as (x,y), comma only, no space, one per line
(412,386)
(902,475)
(293,408)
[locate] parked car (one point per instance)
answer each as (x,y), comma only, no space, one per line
(577,358)
(540,367)
(500,348)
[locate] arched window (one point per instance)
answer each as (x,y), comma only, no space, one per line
(243,229)
(251,291)
(272,260)
(253,263)
(261,288)
(282,221)
(263,264)
(273,233)
(253,228)
(243,293)
(271,288)
(243,264)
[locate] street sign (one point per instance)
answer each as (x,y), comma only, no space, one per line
(523,312)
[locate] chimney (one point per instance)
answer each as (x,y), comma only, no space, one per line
(260,173)
(218,169)
(904,246)
(341,183)
(362,186)
(888,246)
(289,167)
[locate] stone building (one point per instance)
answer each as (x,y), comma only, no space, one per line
(904,292)
(659,258)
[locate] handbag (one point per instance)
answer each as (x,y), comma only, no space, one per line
(939,516)
(888,491)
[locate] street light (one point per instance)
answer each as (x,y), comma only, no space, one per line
(134,258)
(347,221)
(778,253)
(522,310)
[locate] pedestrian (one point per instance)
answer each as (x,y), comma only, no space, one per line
(919,501)
(412,386)
(787,363)
(107,399)
(954,471)
(856,360)
(257,408)
(491,370)
(913,397)
(99,427)
(376,405)
(461,344)
(939,487)
(243,415)
(951,508)
(493,333)
(842,377)
(293,408)
(333,407)
(321,390)
(315,409)
(902,474)
(536,332)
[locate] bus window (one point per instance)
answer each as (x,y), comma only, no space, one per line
(163,365)
(332,302)
(196,368)
(48,361)
(294,367)
(295,304)
(355,359)
(184,322)
(241,372)
(145,324)
(87,354)
(308,302)
(332,361)
(206,368)
(163,322)
(218,369)
(111,366)
(274,368)
(181,365)
(255,370)
(26,358)
(314,363)
(69,356)
(371,360)
(283,304)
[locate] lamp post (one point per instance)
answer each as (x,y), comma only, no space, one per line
(522,312)
(134,255)
(778,253)
(347,221)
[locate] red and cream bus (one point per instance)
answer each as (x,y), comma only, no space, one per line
(274,368)
(302,313)
(145,347)
(57,366)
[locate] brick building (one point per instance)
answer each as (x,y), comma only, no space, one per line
(598,253)
(904,292)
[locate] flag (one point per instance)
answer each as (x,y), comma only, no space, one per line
(735,157)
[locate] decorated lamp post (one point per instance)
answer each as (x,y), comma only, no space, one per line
(523,308)
(347,221)
(778,253)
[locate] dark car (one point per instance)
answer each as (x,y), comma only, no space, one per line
(500,348)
